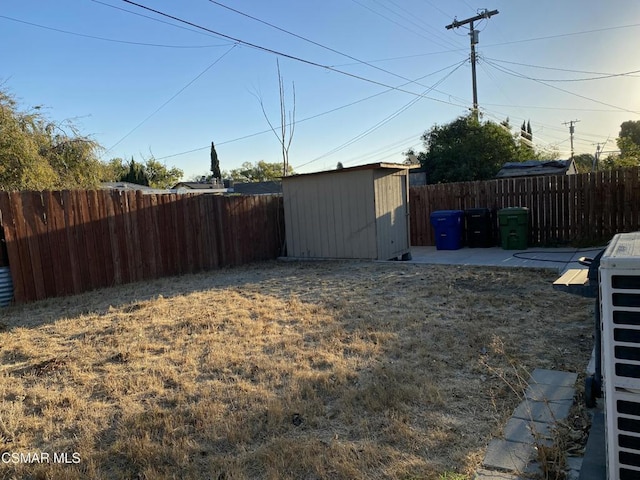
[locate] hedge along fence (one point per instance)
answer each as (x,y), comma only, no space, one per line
(67,242)
(582,209)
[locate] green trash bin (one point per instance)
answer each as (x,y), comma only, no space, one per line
(514,227)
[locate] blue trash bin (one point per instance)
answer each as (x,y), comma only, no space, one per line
(448,226)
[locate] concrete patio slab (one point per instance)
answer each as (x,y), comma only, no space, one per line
(549,412)
(559,259)
(508,456)
(483,474)
(553,377)
(527,431)
(550,393)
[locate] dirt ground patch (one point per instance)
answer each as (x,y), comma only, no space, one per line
(330,370)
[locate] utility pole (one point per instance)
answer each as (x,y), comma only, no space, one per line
(473,34)
(596,157)
(571,123)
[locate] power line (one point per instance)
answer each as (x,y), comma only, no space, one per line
(137,14)
(285,55)
(586,72)
(305,39)
(305,119)
(600,77)
(553,108)
(412,22)
(169,100)
(59,30)
(504,43)
(380,123)
(519,75)
(405,27)
(560,35)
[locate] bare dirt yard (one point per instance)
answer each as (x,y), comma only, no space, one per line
(329,370)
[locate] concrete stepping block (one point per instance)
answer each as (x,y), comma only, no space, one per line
(526,431)
(553,377)
(550,393)
(508,456)
(483,474)
(549,412)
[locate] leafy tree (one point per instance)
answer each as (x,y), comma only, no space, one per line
(135,174)
(628,142)
(258,172)
(215,163)
(114,170)
(584,162)
(630,130)
(38,154)
(159,175)
(467,149)
(151,173)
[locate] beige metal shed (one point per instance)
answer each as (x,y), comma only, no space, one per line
(358,212)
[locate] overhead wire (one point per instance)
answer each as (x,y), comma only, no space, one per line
(526,77)
(416,32)
(305,39)
(113,40)
(380,123)
(410,19)
(169,100)
(245,137)
(287,55)
(488,45)
(560,35)
(586,72)
(157,20)
(386,148)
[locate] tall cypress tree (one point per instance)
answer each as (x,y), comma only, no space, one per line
(215,163)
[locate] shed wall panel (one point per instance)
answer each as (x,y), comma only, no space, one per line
(391,214)
(331,216)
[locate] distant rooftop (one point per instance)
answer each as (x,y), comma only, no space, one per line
(532,168)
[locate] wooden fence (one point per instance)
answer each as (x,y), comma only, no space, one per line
(579,209)
(62,243)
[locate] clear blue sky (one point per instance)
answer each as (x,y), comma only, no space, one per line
(143,84)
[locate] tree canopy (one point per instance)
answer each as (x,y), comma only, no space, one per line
(151,173)
(258,172)
(628,143)
(39,154)
(468,149)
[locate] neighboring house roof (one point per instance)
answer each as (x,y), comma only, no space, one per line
(532,168)
(198,186)
(130,187)
(258,188)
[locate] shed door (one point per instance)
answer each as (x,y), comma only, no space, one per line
(392,214)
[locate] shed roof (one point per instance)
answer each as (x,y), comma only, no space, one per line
(535,168)
(369,166)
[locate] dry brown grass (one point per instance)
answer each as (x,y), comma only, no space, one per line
(281,371)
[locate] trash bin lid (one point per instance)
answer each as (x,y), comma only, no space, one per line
(513,210)
(446,213)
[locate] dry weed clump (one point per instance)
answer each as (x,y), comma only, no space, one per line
(280,371)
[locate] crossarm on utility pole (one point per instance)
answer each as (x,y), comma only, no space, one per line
(485,14)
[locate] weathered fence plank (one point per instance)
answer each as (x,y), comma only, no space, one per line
(61,243)
(586,208)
